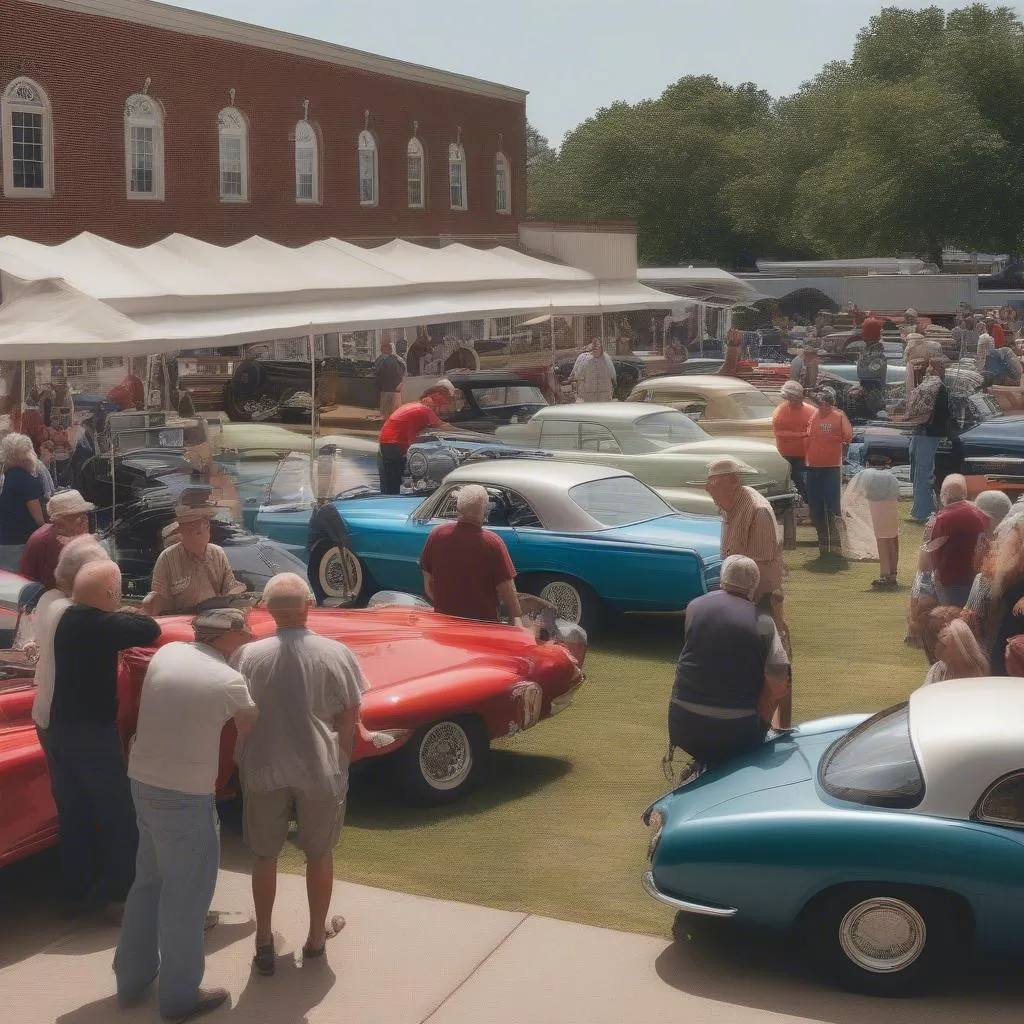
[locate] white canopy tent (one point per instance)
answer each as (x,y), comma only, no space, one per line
(710,286)
(91,294)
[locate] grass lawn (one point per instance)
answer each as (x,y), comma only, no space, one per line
(556,829)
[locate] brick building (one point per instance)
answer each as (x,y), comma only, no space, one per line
(134,120)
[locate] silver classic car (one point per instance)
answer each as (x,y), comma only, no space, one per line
(659,445)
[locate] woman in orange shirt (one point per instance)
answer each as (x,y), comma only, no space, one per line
(789,421)
(828,434)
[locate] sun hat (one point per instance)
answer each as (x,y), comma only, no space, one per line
(218,622)
(195,503)
(724,466)
(827,394)
(67,503)
(792,389)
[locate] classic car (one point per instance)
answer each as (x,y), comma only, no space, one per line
(136,539)
(588,539)
(724,406)
(658,444)
(493,398)
(889,843)
(441,690)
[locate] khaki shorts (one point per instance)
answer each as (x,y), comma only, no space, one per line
(265,819)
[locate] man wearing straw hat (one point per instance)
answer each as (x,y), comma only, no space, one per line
(69,517)
(193,570)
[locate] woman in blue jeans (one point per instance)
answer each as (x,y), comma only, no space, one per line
(928,413)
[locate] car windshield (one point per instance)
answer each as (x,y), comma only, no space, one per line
(664,429)
(753,405)
(619,501)
(506,397)
(875,764)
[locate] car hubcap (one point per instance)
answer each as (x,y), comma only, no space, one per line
(341,575)
(566,599)
(882,935)
(446,758)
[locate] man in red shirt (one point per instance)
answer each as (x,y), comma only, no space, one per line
(871,328)
(69,517)
(828,434)
(402,427)
(467,570)
(953,541)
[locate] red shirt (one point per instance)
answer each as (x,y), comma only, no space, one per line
(998,335)
(871,329)
(961,524)
(402,426)
(39,556)
(467,564)
(130,393)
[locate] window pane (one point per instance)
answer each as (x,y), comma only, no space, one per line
(367,176)
(455,179)
(597,438)
(1004,805)
(619,501)
(560,435)
(415,177)
(28,160)
(140,155)
(231,166)
(305,157)
(875,764)
(664,429)
(501,182)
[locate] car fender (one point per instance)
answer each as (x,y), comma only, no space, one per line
(326,523)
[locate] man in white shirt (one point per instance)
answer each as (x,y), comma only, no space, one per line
(188,695)
(308,690)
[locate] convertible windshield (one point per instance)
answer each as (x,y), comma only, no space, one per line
(875,764)
(664,429)
(619,501)
(503,398)
(753,405)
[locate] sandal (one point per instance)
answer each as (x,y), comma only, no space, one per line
(265,960)
(334,926)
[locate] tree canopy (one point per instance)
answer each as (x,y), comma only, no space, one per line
(915,143)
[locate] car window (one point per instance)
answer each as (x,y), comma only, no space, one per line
(560,435)
(446,507)
(503,398)
(10,592)
(507,508)
(875,763)
(753,405)
(1003,804)
(663,429)
(596,438)
(619,501)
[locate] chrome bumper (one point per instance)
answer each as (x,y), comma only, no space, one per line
(689,908)
(559,704)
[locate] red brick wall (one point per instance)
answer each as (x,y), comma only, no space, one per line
(89,65)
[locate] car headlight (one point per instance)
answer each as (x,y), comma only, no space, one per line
(655,821)
(418,465)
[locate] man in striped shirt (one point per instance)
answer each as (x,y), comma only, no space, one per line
(749,528)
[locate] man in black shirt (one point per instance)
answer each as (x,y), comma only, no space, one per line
(388,374)
(98,834)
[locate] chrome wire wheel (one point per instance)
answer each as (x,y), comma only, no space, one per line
(566,598)
(341,575)
(445,756)
(882,935)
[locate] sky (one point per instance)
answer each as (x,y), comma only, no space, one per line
(576,56)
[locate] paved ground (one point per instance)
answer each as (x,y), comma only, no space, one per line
(409,960)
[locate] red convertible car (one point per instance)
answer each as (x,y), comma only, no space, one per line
(440,690)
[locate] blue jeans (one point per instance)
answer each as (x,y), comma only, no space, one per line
(175,875)
(922,474)
(824,486)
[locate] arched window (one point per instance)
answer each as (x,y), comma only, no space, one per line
(502,184)
(416,164)
(143,147)
(307,164)
(27,140)
(233,136)
(369,191)
(457,176)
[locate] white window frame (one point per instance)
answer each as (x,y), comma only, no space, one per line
(306,141)
(502,168)
(457,164)
(368,146)
(25,96)
(231,125)
(415,151)
(144,112)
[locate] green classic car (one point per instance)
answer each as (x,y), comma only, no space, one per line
(657,444)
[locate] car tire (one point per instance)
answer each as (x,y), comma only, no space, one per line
(442,761)
(235,412)
(882,940)
(576,602)
(330,566)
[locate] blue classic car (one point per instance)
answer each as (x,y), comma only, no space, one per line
(889,843)
(588,539)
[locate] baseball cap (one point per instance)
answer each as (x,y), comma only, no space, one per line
(218,622)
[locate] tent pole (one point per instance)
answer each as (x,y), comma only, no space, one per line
(313,413)
(23,391)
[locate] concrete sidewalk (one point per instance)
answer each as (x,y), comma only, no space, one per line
(409,960)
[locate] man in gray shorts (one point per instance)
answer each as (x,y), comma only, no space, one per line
(295,759)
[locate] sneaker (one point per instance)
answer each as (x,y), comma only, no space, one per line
(209,999)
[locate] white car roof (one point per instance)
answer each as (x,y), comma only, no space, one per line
(966,733)
(695,382)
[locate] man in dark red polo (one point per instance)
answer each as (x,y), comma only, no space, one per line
(953,542)
(69,517)
(402,427)
(467,570)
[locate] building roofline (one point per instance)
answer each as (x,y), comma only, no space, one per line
(196,23)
